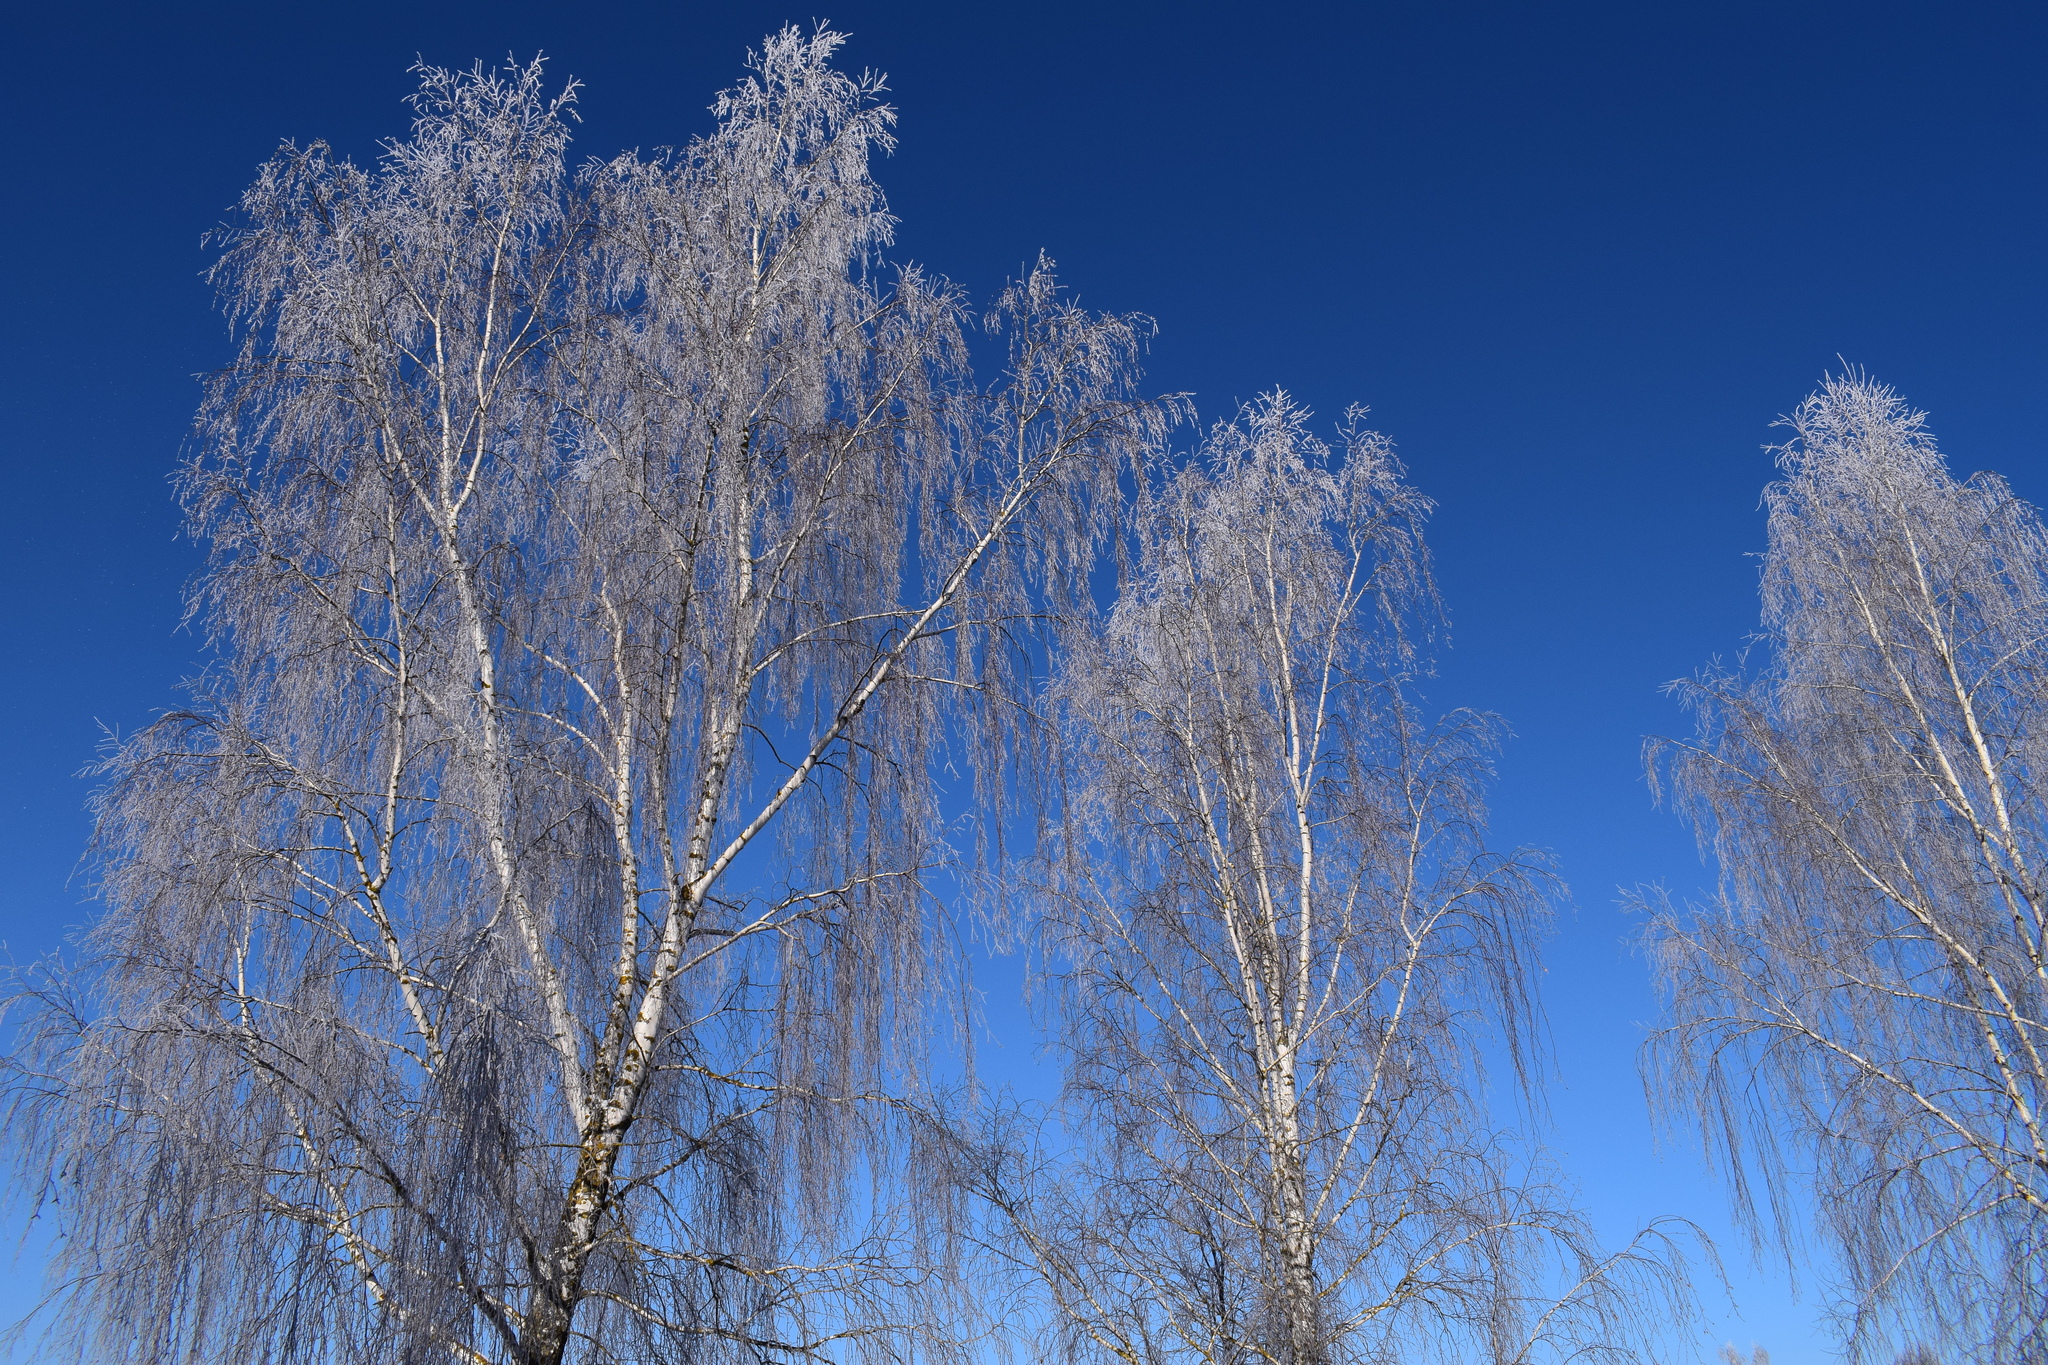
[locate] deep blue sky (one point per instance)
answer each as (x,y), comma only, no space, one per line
(1576,257)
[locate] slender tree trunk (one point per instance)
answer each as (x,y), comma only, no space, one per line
(1297,1236)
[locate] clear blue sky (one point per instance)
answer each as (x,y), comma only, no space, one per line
(1575,256)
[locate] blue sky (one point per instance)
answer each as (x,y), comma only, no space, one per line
(1576,257)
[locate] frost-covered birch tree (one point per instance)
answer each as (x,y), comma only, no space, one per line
(1864,999)
(512,952)
(1283,953)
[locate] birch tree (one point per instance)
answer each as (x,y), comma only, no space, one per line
(1864,996)
(1284,954)
(513,952)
